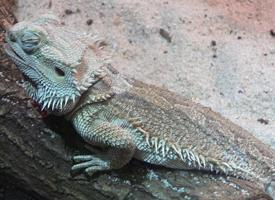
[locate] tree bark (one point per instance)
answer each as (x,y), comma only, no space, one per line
(35,156)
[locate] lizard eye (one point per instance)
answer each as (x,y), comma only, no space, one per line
(30,41)
(59,72)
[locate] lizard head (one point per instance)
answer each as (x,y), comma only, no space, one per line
(58,64)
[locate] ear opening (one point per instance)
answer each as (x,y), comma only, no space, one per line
(100,44)
(100,47)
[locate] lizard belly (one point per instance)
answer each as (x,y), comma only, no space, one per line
(156,159)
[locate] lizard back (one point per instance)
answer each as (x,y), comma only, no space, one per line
(175,132)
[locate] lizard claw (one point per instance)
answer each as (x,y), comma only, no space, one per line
(88,164)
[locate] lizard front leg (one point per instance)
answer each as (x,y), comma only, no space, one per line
(114,139)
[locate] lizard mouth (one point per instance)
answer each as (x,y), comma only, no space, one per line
(30,81)
(19,61)
(12,53)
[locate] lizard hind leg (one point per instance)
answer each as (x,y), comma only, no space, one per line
(88,164)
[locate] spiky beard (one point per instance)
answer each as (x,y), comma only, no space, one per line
(58,99)
(48,98)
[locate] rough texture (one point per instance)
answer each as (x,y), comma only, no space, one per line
(221,53)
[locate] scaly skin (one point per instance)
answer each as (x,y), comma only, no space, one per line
(66,73)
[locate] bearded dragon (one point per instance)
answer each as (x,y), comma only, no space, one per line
(67,74)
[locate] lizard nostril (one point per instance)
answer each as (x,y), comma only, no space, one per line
(59,72)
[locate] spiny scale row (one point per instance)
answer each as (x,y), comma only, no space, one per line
(190,157)
(56,103)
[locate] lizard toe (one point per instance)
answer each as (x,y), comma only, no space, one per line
(82,158)
(91,170)
(88,164)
